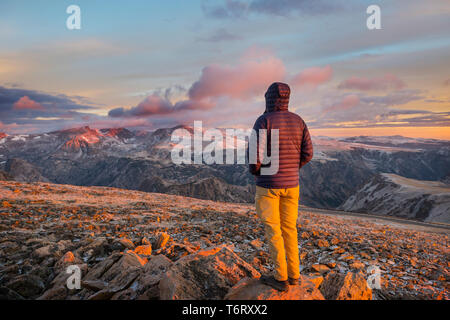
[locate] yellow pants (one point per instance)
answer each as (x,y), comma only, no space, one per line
(278,210)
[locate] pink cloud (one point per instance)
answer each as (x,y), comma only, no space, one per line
(25,103)
(218,84)
(157,105)
(152,105)
(388,81)
(346,103)
(249,78)
(312,77)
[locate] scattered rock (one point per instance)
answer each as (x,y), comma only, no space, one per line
(66,260)
(94,285)
(145,250)
(42,252)
(161,240)
(357,265)
(316,279)
(346,257)
(100,268)
(257,244)
(55,293)
(321,268)
(322,243)
(334,241)
(126,243)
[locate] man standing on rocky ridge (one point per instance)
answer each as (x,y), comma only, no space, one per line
(277,194)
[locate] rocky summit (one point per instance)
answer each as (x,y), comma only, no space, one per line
(136,245)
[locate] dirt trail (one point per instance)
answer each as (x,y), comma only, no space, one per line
(431,227)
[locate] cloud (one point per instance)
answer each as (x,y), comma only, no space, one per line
(31,109)
(243,81)
(220,35)
(394,99)
(151,105)
(10,96)
(157,105)
(26,103)
(286,7)
(233,9)
(361,110)
(313,77)
(224,86)
(346,103)
(388,81)
(230,9)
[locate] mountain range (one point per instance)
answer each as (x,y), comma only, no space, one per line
(345,173)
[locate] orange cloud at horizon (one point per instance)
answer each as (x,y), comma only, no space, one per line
(442,133)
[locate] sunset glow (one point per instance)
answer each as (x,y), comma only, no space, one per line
(145,65)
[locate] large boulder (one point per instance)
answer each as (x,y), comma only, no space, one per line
(350,286)
(147,285)
(254,289)
(119,276)
(206,274)
(58,287)
(128,278)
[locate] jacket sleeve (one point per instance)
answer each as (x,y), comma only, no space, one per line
(306,147)
(255,168)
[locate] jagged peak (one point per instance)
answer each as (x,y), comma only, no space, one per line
(119,132)
(77,130)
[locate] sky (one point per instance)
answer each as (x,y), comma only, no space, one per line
(150,64)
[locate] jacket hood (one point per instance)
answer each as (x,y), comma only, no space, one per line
(277,97)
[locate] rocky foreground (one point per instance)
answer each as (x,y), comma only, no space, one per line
(137,245)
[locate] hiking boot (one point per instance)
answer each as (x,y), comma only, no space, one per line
(293,282)
(274,283)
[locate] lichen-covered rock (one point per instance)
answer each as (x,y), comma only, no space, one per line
(147,285)
(58,286)
(145,250)
(350,286)
(206,274)
(161,241)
